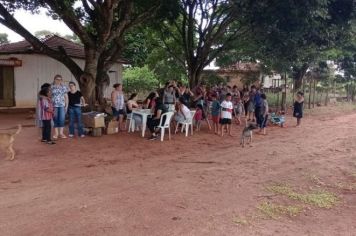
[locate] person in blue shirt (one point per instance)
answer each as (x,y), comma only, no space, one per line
(258,102)
(215,113)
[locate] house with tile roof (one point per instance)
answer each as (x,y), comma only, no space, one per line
(23,70)
(245,73)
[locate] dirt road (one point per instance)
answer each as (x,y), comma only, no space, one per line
(201,185)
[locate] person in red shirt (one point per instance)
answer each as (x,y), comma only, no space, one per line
(46,114)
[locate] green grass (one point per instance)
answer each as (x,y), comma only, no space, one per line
(342,107)
(275,211)
(318,198)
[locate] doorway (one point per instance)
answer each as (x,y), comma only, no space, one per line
(7,86)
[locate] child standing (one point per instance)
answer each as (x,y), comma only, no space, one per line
(47,112)
(238,106)
(226,114)
(298,107)
(215,112)
(38,120)
(264,114)
(199,116)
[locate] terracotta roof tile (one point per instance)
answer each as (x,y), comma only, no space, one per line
(52,41)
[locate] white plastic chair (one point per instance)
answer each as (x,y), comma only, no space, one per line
(131,123)
(186,123)
(166,125)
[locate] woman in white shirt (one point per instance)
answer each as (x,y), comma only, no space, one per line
(131,105)
(183,111)
(118,105)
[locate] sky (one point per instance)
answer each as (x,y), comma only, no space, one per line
(35,23)
(41,21)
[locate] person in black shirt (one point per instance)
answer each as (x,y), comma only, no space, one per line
(76,101)
(153,122)
(298,107)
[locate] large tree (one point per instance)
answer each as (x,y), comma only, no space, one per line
(286,36)
(202,31)
(293,34)
(100,26)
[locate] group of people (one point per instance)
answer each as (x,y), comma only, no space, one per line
(222,104)
(54,101)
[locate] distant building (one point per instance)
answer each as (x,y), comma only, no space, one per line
(23,71)
(242,73)
(272,81)
(237,74)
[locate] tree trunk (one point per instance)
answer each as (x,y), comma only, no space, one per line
(284,95)
(334,88)
(347,92)
(327,96)
(194,78)
(298,77)
(314,93)
(102,83)
(277,105)
(283,101)
(87,88)
(310,93)
(87,79)
(352,91)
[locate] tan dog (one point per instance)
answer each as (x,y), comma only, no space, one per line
(7,141)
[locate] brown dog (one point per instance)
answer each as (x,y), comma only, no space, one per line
(7,141)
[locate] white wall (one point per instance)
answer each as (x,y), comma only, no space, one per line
(39,69)
(267,80)
(115,74)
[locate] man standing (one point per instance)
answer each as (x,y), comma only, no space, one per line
(257,103)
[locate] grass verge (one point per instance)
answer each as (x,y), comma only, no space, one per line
(318,198)
(275,211)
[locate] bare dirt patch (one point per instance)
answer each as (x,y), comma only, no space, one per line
(201,185)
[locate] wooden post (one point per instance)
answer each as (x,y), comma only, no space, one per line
(285,92)
(352,91)
(310,93)
(314,93)
(277,105)
(327,96)
(334,88)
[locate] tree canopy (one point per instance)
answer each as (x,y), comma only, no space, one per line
(202,30)
(288,35)
(100,25)
(177,39)
(4,38)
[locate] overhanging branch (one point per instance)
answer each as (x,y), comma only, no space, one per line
(10,22)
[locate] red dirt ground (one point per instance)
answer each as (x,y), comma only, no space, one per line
(201,185)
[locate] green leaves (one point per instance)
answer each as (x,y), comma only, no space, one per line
(3,38)
(139,79)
